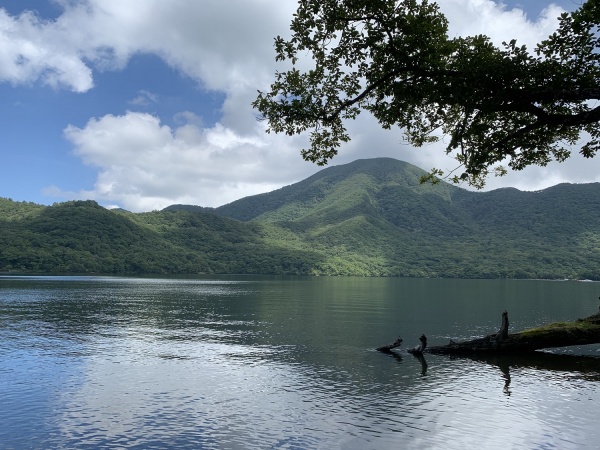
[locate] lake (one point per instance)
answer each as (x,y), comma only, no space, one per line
(287,362)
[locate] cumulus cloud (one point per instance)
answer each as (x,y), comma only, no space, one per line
(144,164)
(494,19)
(225,46)
(32,50)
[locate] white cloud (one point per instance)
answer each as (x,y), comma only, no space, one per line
(144,164)
(473,17)
(144,98)
(31,50)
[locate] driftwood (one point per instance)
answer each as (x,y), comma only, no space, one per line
(389,347)
(581,332)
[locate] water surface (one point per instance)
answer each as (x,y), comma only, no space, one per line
(259,362)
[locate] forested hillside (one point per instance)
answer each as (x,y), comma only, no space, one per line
(368,218)
(83,237)
(377,214)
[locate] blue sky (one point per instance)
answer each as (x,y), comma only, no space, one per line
(145,103)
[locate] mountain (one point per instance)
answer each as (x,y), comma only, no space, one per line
(334,189)
(370,218)
(377,214)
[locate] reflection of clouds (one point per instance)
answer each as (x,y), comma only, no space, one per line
(474,413)
(463,405)
(539,414)
(190,393)
(204,399)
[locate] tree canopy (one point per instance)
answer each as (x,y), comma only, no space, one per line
(394,59)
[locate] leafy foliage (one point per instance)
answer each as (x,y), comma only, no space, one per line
(394,59)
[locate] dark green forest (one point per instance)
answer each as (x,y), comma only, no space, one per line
(368,218)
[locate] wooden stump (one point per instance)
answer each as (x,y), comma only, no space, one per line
(418,350)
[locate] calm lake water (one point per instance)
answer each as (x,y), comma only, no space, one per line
(258,362)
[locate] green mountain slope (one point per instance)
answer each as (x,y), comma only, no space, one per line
(332,190)
(370,218)
(373,216)
(82,237)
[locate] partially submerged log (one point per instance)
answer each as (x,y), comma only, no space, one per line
(581,332)
(389,347)
(563,334)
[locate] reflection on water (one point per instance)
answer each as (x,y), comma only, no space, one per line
(285,363)
(556,366)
